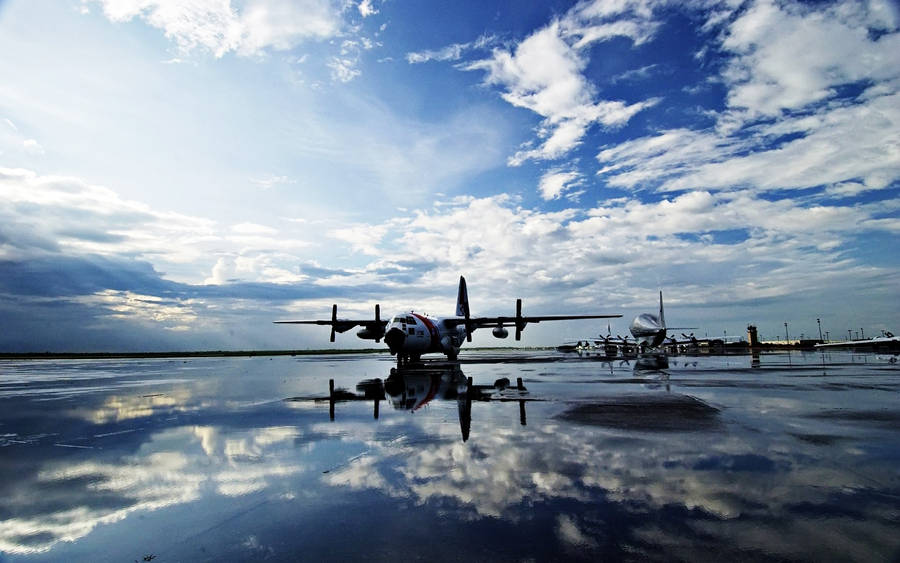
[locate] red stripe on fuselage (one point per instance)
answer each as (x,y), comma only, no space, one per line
(432,330)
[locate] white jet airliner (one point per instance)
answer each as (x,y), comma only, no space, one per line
(409,335)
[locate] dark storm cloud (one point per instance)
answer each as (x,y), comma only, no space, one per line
(63,276)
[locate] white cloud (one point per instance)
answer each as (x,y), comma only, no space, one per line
(343,69)
(32,147)
(84,218)
(452,52)
(544,73)
(253,229)
(271,181)
(572,256)
(838,145)
(170,314)
(366,8)
(787,62)
(46,215)
(363,238)
(248,28)
(556,183)
(790,56)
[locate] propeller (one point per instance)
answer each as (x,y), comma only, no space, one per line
(469,328)
(333,319)
(520,324)
(378,326)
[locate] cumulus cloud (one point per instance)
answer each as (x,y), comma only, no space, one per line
(77,217)
(248,28)
(736,245)
(789,56)
(42,216)
(366,8)
(556,183)
(545,74)
(788,62)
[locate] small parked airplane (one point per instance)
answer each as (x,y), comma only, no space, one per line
(409,335)
(888,342)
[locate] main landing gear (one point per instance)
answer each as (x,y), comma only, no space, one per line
(405,360)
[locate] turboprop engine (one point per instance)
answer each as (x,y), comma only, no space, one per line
(500,332)
(370,334)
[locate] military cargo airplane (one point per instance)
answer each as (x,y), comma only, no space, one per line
(408,335)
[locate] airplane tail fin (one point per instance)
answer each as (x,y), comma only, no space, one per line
(662,314)
(462,299)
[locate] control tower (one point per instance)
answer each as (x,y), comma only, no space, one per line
(752,336)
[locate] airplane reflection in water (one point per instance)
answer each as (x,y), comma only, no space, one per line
(412,388)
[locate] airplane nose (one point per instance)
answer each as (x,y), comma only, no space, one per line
(395,338)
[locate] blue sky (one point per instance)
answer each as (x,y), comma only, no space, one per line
(175,175)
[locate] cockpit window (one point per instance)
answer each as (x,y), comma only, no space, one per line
(410,320)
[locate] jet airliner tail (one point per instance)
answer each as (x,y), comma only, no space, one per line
(662,315)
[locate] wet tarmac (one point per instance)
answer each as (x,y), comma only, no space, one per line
(769,458)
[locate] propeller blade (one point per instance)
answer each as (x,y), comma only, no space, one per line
(468,327)
(333,319)
(519,323)
(378,319)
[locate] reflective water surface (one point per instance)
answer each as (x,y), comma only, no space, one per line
(775,457)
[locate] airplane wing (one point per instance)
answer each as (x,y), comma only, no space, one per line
(375,326)
(519,321)
(482,322)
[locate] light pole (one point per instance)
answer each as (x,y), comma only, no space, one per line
(787,339)
(819,322)
(862,333)
(827,338)
(849,334)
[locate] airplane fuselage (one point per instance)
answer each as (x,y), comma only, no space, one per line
(413,334)
(648,330)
